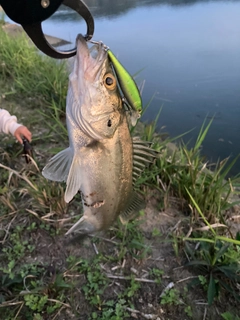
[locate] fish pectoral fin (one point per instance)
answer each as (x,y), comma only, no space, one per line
(74,179)
(135,205)
(82,226)
(58,166)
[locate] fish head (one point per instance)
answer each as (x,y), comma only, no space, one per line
(97,106)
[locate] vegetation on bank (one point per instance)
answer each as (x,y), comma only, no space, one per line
(114,275)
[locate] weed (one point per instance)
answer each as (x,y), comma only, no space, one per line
(157,274)
(219,265)
(112,310)
(34,302)
(188,311)
(132,241)
(229,316)
(203,281)
(171,297)
(96,281)
(132,288)
(15,250)
(156,232)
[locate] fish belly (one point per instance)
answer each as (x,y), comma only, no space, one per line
(107,177)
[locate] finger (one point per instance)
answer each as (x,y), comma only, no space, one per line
(27,134)
(18,137)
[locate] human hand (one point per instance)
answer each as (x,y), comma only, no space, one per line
(21,132)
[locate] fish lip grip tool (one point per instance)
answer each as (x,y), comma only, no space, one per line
(31,13)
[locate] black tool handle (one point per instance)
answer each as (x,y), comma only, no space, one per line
(29,11)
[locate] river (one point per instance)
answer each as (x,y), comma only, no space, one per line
(188,55)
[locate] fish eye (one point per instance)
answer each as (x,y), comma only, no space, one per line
(109,124)
(109,81)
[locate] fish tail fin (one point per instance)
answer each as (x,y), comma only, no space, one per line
(135,205)
(74,179)
(82,226)
(58,166)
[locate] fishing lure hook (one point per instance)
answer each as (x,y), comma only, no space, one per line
(34,30)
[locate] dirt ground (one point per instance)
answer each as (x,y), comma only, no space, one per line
(53,251)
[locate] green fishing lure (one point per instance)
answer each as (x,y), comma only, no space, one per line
(128,87)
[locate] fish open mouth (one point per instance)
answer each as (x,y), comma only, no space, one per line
(90,60)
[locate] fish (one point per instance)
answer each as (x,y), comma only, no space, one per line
(102,160)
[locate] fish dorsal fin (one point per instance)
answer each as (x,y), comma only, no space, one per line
(57,168)
(136,203)
(143,156)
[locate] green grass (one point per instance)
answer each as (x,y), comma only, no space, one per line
(111,276)
(36,76)
(219,264)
